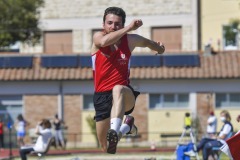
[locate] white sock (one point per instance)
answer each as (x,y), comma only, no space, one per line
(116,124)
(124,128)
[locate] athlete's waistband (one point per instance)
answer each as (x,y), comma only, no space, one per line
(104,92)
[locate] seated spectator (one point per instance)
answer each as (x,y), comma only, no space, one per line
(43,129)
(232,145)
(206,144)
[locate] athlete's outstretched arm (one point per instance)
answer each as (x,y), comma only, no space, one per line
(101,39)
(139,41)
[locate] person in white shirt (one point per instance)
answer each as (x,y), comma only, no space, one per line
(20,126)
(43,129)
(206,144)
(211,125)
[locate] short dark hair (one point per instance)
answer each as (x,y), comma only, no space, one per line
(46,123)
(20,117)
(116,11)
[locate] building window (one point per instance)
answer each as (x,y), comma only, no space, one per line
(10,108)
(170,36)
(230,36)
(227,100)
(169,100)
(88,102)
(56,42)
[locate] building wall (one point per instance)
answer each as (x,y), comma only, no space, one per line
(204,107)
(92,8)
(38,107)
(141,116)
(73,116)
(214,15)
(165,121)
(82,16)
(38,104)
(169,120)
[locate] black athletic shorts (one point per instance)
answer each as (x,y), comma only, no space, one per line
(103,104)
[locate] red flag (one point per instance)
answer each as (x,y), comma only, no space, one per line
(233,144)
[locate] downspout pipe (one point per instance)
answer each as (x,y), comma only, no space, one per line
(61,102)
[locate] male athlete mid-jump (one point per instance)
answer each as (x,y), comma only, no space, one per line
(114,97)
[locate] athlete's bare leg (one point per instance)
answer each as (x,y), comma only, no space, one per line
(102,129)
(123,101)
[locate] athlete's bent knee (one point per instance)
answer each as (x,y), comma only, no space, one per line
(118,89)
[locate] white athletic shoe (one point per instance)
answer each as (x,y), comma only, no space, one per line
(190,153)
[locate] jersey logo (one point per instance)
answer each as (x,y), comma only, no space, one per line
(123,60)
(123,56)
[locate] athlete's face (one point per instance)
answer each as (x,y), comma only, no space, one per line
(112,23)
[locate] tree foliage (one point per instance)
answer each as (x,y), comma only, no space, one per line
(19,21)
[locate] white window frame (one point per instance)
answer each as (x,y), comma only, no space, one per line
(227,95)
(230,47)
(176,99)
(11,100)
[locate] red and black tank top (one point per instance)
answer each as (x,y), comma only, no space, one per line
(111,68)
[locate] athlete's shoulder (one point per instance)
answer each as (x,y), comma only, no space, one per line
(97,36)
(98,33)
(95,45)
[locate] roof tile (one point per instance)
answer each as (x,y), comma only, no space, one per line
(222,65)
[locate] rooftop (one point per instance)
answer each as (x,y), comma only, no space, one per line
(224,65)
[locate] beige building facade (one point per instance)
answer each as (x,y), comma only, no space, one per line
(68,26)
(216,14)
